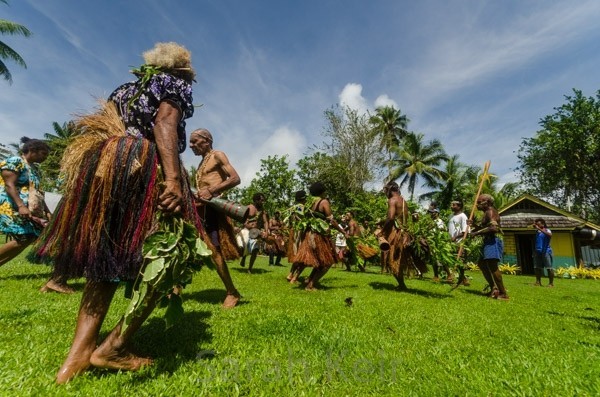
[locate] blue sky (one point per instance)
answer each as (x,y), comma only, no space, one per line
(478,75)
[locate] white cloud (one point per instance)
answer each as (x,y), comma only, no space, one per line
(385,100)
(283,141)
(351,96)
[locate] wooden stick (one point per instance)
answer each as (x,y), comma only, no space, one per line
(486,168)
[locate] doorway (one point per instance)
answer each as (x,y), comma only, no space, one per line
(525,248)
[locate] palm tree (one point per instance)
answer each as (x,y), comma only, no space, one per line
(58,143)
(416,160)
(7,27)
(457,184)
(389,124)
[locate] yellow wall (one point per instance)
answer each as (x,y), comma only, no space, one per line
(562,244)
(510,245)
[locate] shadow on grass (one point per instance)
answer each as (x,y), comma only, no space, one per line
(475,292)
(170,348)
(392,287)
(28,276)
(212,296)
(254,270)
(589,321)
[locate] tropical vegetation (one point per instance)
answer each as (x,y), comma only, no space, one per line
(6,52)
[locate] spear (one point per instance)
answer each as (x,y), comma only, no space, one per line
(484,176)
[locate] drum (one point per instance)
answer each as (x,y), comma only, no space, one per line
(383,243)
(254,233)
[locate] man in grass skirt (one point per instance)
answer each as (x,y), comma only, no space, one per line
(400,256)
(215,176)
(122,167)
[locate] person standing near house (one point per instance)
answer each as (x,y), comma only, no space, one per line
(542,257)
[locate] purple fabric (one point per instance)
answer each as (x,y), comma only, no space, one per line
(140,114)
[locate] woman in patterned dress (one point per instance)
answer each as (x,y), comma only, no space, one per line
(21,218)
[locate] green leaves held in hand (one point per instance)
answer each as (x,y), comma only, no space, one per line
(171,255)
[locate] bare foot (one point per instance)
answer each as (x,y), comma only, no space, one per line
(121,359)
(70,369)
(55,286)
(231,300)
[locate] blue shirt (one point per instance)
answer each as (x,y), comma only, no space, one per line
(542,242)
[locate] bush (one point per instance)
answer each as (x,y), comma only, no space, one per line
(577,272)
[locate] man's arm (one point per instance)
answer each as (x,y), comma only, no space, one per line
(492,222)
(165,135)
(232,180)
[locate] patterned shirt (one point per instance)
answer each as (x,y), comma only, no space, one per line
(140,114)
(10,222)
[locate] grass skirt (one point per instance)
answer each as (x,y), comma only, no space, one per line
(316,250)
(401,257)
(292,244)
(227,238)
(103,218)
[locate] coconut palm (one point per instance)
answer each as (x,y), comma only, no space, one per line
(7,53)
(389,124)
(58,142)
(457,184)
(416,160)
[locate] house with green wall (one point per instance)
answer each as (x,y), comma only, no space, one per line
(574,240)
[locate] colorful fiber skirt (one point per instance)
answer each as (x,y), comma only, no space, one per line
(99,227)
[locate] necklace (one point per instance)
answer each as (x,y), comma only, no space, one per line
(203,164)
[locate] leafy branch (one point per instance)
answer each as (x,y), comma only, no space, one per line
(171,255)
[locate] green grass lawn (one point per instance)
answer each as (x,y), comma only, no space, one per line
(284,341)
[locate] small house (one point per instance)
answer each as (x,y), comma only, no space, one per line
(574,240)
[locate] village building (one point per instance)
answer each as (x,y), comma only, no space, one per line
(575,241)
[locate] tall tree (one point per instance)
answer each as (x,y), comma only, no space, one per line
(560,163)
(332,172)
(389,126)
(276,180)
(416,160)
(456,185)
(7,53)
(351,151)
